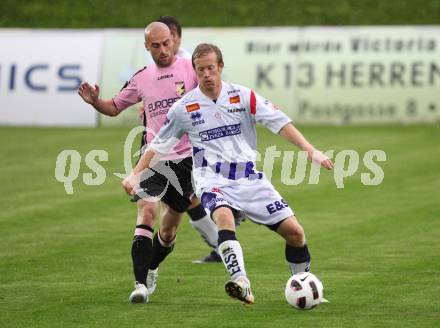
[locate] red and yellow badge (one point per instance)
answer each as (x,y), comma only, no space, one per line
(192,107)
(180,88)
(234,100)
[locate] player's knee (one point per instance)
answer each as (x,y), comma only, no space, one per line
(298,231)
(295,235)
(168,234)
(224,218)
(146,212)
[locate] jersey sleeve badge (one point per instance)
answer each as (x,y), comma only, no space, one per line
(234,100)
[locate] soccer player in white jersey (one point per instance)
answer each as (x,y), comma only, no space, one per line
(158,86)
(220,120)
(206,228)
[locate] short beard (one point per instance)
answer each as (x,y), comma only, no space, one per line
(158,63)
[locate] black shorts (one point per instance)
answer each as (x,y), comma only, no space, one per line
(164,181)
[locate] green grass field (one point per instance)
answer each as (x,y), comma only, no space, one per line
(65,259)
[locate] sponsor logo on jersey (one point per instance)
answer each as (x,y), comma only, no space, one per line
(236,110)
(233,109)
(233,91)
(166,76)
(197,118)
(276,206)
(161,106)
(210,200)
(217,190)
(192,107)
(234,100)
(220,132)
(180,88)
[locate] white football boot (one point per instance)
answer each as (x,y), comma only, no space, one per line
(240,289)
(152,280)
(139,294)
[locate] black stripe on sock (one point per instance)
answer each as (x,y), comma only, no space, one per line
(297,254)
(145,227)
(224,235)
(197,212)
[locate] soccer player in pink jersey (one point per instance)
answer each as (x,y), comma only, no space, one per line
(158,86)
(219,119)
(176,33)
(198,219)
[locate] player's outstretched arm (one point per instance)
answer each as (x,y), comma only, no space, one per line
(90,95)
(147,160)
(291,134)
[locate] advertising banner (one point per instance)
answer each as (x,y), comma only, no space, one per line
(40,72)
(318,75)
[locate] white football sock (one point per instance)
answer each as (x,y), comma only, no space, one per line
(299,267)
(232,257)
(207,229)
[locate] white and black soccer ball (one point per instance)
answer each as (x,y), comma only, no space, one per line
(304,291)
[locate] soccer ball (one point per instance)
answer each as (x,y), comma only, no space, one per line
(304,291)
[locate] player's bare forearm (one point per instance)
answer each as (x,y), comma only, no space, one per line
(291,134)
(147,160)
(106,107)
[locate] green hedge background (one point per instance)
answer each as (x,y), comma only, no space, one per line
(113,13)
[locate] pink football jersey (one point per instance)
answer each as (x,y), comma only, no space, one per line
(159,88)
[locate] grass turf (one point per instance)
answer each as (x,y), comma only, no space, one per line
(65,259)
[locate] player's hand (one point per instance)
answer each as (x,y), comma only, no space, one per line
(320,159)
(129,184)
(328,164)
(89,93)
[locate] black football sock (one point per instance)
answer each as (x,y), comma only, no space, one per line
(298,258)
(161,250)
(141,252)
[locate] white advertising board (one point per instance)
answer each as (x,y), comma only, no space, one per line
(40,72)
(318,75)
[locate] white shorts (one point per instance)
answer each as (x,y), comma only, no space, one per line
(256,199)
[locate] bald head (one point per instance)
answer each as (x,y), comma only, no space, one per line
(155,28)
(159,42)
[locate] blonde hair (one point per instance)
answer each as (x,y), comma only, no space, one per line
(206,48)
